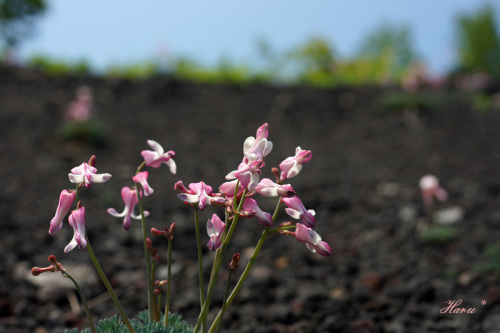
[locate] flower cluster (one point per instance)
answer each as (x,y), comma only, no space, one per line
(238,195)
(83,175)
(245,180)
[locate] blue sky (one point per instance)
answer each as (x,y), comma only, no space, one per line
(119,31)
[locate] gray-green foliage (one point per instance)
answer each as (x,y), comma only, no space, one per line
(17,19)
(492,264)
(141,325)
(478,41)
(438,235)
(90,132)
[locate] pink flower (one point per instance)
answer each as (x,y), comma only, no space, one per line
(77,221)
(247,174)
(129,196)
(291,166)
(215,227)
(313,240)
(155,158)
(430,187)
(297,210)
(86,174)
(198,193)
(268,188)
(66,199)
(229,187)
(263,218)
(255,149)
(142,178)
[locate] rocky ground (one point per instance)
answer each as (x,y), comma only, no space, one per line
(362,182)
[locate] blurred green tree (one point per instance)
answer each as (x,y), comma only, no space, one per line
(314,62)
(17,19)
(478,42)
(390,48)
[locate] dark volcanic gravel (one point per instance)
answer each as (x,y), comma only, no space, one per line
(362,182)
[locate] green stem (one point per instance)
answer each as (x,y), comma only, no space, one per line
(108,286)
(84,301)
(156,307)
(246,272)
(226,293)
(215,272)
(146,253)
(200,260)
(169,279)
(242,279)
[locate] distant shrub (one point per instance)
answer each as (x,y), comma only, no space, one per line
(478,42)
(134,71)
(17,19)
(58,67)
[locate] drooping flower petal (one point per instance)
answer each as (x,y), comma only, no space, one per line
(291,166)
(268,188)
(77,221)
(297,210)
(228,188)
(313,240)
(129,197)
(198,193)
(215,227)
(158,156)
(263,218)
(86,175)
(66,199)
(142,178)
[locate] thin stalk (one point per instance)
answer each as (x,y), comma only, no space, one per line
(200,261)
(84,301)
(169,279)
(226,293)
(218,251)
(215,273)
(156,307)
(146,254)
(242,279)
(108,286)
(245,273)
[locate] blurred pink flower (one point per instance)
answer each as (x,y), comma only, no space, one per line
(77,221)
(81,108)
(313,240)
(291,166)
(66,199)
(430,187)
(129,197)
(297,210)
(215,227)
(142,178)
(158,156)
